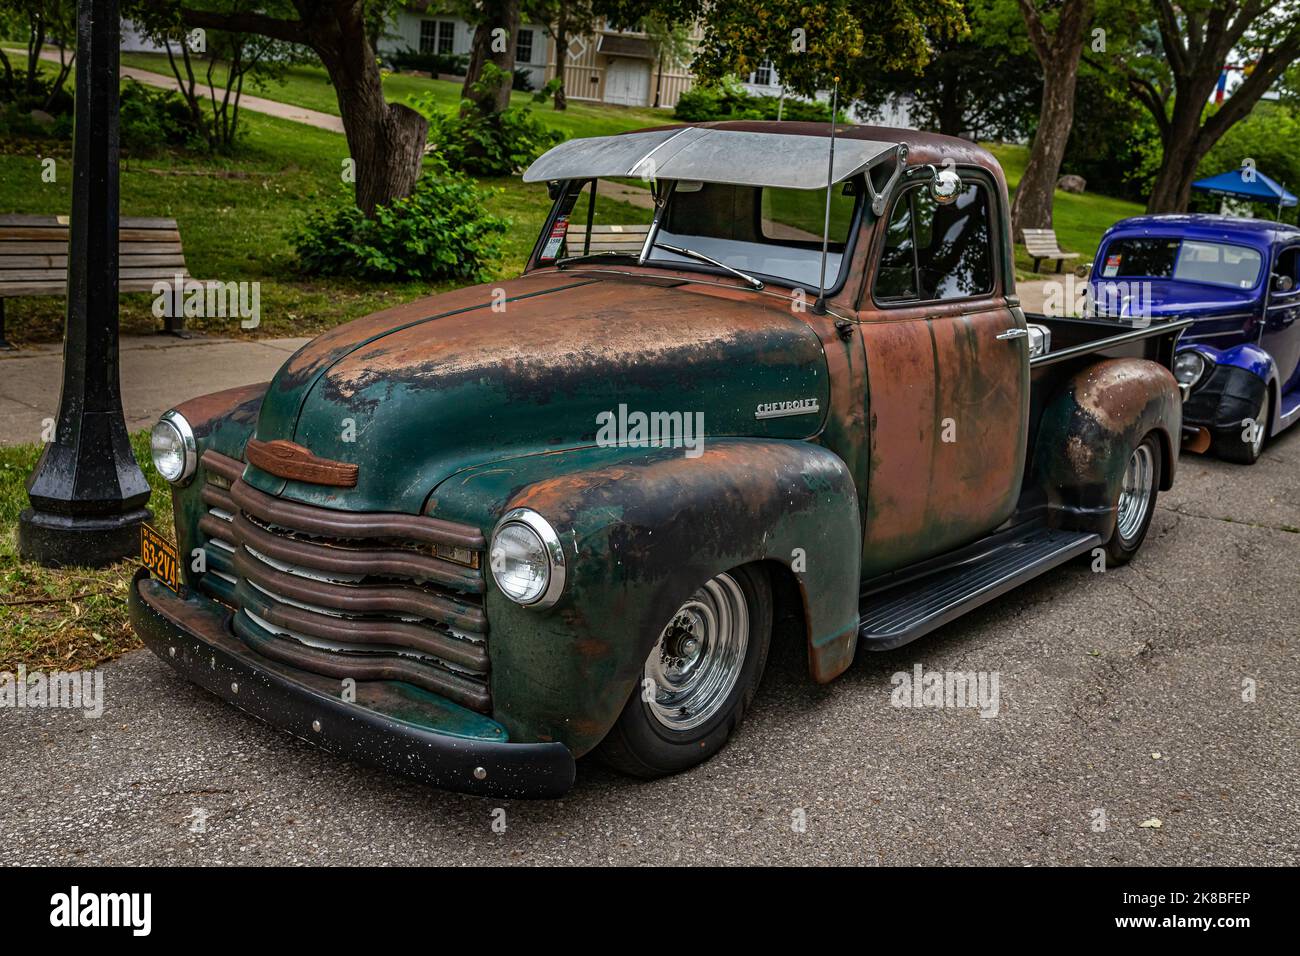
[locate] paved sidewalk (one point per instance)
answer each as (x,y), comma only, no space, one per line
(258,104)
(157,372)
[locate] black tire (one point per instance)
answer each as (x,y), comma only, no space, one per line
(1231,444)
(1131,526)
(641,745)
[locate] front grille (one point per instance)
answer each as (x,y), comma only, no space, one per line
(367,596)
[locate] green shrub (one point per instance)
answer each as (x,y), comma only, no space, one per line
(454,64)
(486,143)
(438,232)
(728,100)
(492,144)
(151,120)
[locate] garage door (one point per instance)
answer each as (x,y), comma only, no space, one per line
(627,82)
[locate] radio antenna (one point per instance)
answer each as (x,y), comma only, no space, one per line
(819,307)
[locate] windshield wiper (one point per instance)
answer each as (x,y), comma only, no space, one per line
(692,254)
(593,255)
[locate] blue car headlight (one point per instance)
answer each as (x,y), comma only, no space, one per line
(1190,368)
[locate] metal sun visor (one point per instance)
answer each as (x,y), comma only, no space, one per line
(736,157)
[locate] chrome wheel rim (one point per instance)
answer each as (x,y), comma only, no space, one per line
(698,658)
(1135,494)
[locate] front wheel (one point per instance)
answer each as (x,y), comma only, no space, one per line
(1136,505)
(698,679)
(1244,443)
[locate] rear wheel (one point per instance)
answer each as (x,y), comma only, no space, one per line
(1244,443)
(1136,505)
(698,679)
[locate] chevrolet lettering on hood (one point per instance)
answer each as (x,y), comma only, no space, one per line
(802,406)
(430,543)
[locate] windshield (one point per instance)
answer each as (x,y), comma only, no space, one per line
(1185,260)
(773,234)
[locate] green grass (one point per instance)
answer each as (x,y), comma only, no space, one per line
(309,86)
(1079,220)
(67,618)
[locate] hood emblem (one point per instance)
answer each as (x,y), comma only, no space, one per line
(799,406)
(285,459)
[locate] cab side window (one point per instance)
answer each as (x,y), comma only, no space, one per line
(1287,264)
(934,252)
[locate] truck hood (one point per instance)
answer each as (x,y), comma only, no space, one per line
(414,394)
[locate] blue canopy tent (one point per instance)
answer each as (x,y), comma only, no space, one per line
(1256,188)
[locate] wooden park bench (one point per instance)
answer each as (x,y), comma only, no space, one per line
(34,258)
(627,239)
(1041,244)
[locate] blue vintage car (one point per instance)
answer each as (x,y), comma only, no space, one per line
(1240,280)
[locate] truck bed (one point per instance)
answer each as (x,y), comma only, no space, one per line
(1074,339)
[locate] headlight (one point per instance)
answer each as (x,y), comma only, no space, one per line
(1188,368)
(527,559)
(172,445)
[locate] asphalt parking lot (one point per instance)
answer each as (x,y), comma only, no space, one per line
(1121,693)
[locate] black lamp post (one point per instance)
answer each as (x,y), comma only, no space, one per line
(87,492)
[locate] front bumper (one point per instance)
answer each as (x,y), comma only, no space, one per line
(394,726)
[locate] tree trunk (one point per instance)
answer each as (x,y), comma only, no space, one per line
(385,140)
(498,49)
(1172,190)
(1032,207)
(1185,143)
(561,64)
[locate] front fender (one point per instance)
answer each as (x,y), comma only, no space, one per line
(1232,390)
(642,529)
(1088,431)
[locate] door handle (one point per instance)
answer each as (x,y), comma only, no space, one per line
(1013,334)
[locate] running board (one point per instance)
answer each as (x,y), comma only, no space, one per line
(913,609)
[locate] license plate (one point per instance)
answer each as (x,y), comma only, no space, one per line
(160,556)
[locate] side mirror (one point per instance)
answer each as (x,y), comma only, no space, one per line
(945,186)
(1282,283)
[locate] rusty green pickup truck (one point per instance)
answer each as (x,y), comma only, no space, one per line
(757,383)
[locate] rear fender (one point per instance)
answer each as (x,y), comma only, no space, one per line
(1088,431)
(641,530)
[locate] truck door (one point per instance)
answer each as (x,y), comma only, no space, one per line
(948,373)
(1281,334)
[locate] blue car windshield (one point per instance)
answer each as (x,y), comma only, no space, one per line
(1184,260)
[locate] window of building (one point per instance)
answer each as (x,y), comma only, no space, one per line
(524,47)
(763,75)
(437,36)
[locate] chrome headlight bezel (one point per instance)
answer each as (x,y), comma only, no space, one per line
(1203,366)
(185,438)
(551,547)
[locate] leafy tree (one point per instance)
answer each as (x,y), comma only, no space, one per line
(231,58)
(43,23)
(1265,140)
(562,20)
(672,44)
(385,140)
(1057,32)
(810,42)
(1172,70)
(985,85)
(495,34)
